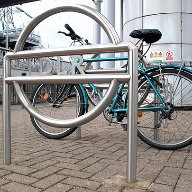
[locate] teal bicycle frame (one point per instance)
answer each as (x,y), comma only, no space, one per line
(119,93)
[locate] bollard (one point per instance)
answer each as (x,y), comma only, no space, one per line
(132,116)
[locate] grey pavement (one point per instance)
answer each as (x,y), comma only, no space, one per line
(96,162)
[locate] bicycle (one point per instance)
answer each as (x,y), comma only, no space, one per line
(164,94)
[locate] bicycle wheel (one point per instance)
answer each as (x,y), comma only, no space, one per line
(60,101)
(170,128)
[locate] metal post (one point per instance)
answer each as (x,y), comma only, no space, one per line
(30,67)
(78,131)
(121,26)
(7,31)
(132,117)
(6,114)
(96,31)
(166,97)
(109,12)
(156,115)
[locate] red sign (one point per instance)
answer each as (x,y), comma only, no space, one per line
(156,54)
(169,55)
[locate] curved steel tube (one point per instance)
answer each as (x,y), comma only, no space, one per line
(69,123)
(95,15)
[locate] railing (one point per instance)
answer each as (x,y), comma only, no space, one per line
(131,79)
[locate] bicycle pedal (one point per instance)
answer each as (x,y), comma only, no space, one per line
(121,123)
(124,126)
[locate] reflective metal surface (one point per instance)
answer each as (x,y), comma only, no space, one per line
(6,114)
(132,116)
(100,71)
(90,12)
(63,51)
(68,79)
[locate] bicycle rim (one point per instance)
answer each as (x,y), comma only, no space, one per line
(167,129)
(58,101)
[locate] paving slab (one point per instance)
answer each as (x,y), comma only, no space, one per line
(95,162)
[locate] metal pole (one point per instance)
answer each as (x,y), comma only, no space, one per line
(109,12)
(132,117)
(78,131)
(30,66)
(6,114)
(156,115)
(7,31)
(96,31)
(121,27)
(166,97)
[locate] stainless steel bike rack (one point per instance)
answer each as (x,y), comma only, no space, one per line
(115,80)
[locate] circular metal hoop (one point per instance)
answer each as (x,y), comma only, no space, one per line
(114,38)
(90,12)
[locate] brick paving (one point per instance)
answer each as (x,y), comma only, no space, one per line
(87,164)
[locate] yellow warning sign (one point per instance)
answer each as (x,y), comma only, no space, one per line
(151,55)
(156,56)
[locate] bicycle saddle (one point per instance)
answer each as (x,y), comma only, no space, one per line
(148,35)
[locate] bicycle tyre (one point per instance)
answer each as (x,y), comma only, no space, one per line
(56,102)
(175,131)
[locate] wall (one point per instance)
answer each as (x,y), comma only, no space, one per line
(172,17)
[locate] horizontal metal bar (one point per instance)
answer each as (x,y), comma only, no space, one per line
(106,59)
(99,86)
(68,79)
(102,86)
(79,50)
(5,49)
(100,71)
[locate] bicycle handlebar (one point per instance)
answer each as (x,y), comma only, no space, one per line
(69,29)
(71,33)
